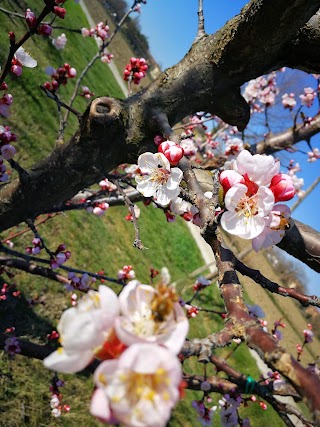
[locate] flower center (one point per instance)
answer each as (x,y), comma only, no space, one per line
(144,386)
(160,175)
(247,207)
(162,303)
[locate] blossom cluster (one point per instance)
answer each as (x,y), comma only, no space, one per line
(252,189)
(137,336)
(21,58)
(6,137)
(308,97)
(261,92)
(59,77)
(157,179)
(135,70)
(86,92)
(100,31)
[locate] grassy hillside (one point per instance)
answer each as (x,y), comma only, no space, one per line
(96,243)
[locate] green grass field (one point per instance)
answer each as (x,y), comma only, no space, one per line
(96,243)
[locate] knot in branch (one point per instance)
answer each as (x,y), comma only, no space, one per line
(104,110)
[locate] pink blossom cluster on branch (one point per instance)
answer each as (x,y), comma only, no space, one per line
(135,70)
(251,190)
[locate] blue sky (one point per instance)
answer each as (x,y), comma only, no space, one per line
(170,26)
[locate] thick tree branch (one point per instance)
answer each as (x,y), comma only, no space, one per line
(208,79)
(302,242)
(287,138)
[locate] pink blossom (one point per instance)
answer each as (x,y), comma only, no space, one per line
(31,18)
(308,335)
(8,151)
(83,330)
(45,30)
(174,154)
(151,315)
(59,11)
(313,155)
(85,32)
(245,215)
(138,389)
(275,225)
(229,178)
(100,209)
(11,346)
(260,169)
(157,178)
(126,273)
(189,147)
(60,42)
(308,97)
(107,185)
(288,101)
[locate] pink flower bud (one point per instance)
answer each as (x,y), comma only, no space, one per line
(174,154)
(12,36)
(47,85)
(8,151)
(282,187)
(85,32)
(31,18)
(8,98)
(61,258)
(158,139)
(16,70)
(72,73)
(165,145)
(61,248)
(55,84)
(59,11)
(229,178)
(45,29)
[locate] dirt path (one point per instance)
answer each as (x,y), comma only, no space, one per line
(112,65)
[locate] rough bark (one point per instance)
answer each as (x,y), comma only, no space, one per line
(208,78)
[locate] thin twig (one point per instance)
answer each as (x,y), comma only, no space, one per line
(137,241)
(201,32)
(62,267)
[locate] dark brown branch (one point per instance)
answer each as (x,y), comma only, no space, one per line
(32,268)
(287,138)
(30,258)
(266,392)
(302,242)
(29,349)
(256,275)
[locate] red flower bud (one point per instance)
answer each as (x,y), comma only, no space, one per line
(165,145)
(282,187)
(31,18)
(59,11)
(174,154)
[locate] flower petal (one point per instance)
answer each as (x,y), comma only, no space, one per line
(68,362)
(242,226)
(99,406)
(25,59)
